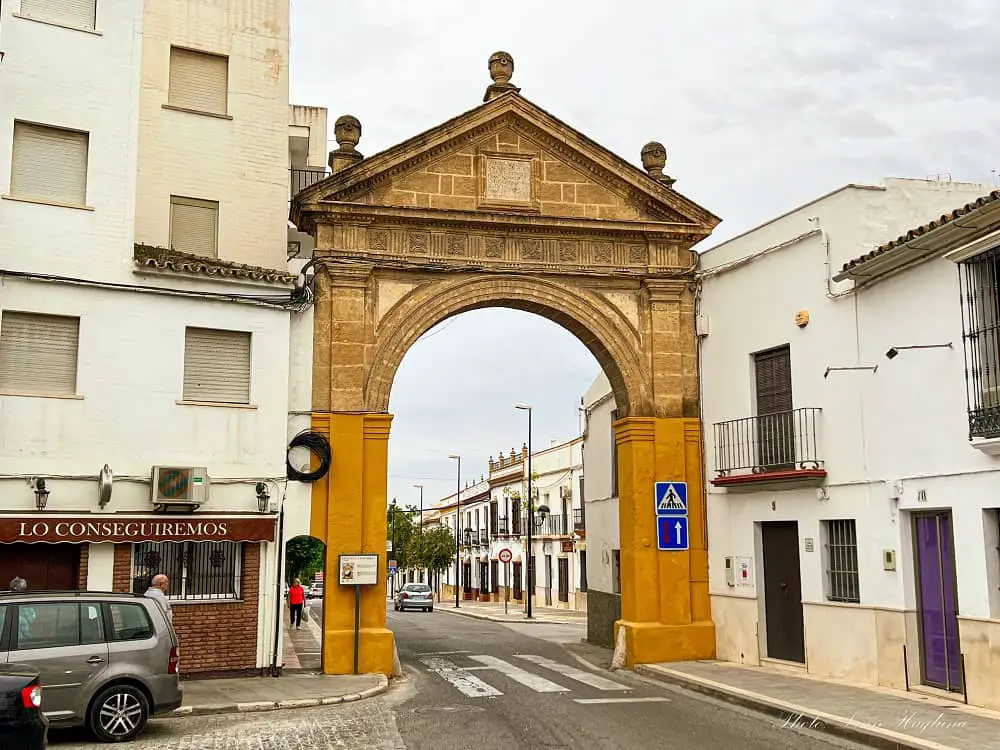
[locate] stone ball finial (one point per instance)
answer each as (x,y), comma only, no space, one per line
(501,67)
(654,159)
(347,131)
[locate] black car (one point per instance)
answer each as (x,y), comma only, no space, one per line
(23,726)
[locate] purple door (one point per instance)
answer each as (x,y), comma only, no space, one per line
(938,602)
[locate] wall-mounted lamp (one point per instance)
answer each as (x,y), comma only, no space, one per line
(41,494)
(263,497)
(873,368)
(894,350)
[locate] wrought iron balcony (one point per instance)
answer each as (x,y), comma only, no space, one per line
(579,520)
(300,179)
(551,526)
(772,448)
(501,527)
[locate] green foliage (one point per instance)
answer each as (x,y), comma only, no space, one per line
(435,548)
(303,558)
(402,535)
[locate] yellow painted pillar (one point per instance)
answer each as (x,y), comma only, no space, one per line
(666,611)
(348,513)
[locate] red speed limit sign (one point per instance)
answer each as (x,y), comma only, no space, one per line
(505,556)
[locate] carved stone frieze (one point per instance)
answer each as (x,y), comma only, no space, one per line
(378,240)
(457,245)
(604,252)
(494,247)
(531,249)
(417,242)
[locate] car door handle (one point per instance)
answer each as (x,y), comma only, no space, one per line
(95,660)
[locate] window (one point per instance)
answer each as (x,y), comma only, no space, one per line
(775,423)
(842,561)
(583,570)
(217,366)
(38,353)
(130,622)
(981,334)
(58,625)
(49,164)
(197,570)
(198,81)
(194,226)
(79,13)
(616,571)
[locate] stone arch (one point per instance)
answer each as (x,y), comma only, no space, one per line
(612,339)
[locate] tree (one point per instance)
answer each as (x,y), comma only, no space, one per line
(402,536)
(303,557)
(436,548)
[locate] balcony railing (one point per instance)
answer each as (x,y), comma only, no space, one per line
(501,527)
(300,179)
(780,446)
(551,526)
(579,520)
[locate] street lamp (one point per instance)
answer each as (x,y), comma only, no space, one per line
(531,515)
(421,529)
(458,512)
(392,510)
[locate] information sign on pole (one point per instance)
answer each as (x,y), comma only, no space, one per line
(358,571)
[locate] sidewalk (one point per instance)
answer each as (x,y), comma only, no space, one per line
(877,716)
(247,694)
(493,611)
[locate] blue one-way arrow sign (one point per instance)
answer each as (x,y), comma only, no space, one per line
(671,498)
(672,533)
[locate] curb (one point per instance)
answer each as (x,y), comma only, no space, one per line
(491,618)
(259,706)
(794,715)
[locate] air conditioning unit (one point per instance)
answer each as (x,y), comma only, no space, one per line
(179,485)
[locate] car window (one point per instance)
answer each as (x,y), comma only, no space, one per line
(47,625)
(91,623)
(418,587)
(130,622)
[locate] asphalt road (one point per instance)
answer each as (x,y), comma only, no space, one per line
(485,685)
(489,686)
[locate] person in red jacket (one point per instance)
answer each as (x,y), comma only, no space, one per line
(296,600)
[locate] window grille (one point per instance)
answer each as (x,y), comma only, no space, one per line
(197,570)
(842,561)
(981,339)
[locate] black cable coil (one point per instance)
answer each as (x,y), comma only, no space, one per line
(319,446)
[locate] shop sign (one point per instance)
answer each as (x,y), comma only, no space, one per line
(117,529)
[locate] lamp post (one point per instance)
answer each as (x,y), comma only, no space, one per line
(531,516)
(392,510)
(458,513)
(420,529)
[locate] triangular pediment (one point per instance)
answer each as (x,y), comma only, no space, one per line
(509,155)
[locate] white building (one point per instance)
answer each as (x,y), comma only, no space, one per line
(852,522)
(146,313)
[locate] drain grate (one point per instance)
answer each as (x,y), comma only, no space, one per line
(461,708)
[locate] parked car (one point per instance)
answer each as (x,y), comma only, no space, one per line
(22,723)
(315,591)
(415,596)
(106,661)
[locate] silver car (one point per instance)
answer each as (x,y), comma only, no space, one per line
(107,661)
(415,596)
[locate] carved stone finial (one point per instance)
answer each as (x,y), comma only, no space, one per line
(654,159)
(501,69)
(347,131)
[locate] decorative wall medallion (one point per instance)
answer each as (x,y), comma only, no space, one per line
(531,249)
(378,240)
(568,250)
(636,254)
(603,252)
(456,244)
(494,247)
(418,242)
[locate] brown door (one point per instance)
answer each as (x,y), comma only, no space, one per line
(783,591)
(563,579)
(775,423)
(53,567)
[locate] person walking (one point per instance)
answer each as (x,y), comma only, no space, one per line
(296,601)
(158,590)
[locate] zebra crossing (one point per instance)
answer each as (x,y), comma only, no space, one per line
(455,668)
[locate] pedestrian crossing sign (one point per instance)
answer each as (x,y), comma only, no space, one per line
(671,498)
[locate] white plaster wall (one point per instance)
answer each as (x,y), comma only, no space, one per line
(241,162)
(100,566)
(81,81)
(314,121)
(602,505)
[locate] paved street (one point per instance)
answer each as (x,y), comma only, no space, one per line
(473,683)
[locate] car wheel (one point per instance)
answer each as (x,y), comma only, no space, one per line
(118,714)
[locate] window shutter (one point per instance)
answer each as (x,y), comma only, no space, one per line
(194,226)
(773,373)
(49,163)
(199,81)
(217,366)
(38,353)
(81,13)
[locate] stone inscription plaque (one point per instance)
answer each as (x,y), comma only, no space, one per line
(508,180)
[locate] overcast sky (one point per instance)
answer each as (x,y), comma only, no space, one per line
(761,105)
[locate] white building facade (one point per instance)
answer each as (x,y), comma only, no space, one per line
(152,343)
(852,521)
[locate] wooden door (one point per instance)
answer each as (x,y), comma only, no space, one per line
(783,591)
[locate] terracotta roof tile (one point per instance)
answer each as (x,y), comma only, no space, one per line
(163,259)
(922,230)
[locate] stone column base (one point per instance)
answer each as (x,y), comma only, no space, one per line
(374,652)
(654,642)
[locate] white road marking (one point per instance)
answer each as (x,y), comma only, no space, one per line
(621,700)
(467,684)
(536,683)
(587,678)
(441,653)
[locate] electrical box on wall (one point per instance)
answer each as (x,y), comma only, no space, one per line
(701,324)
(889,559)
(731,571)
